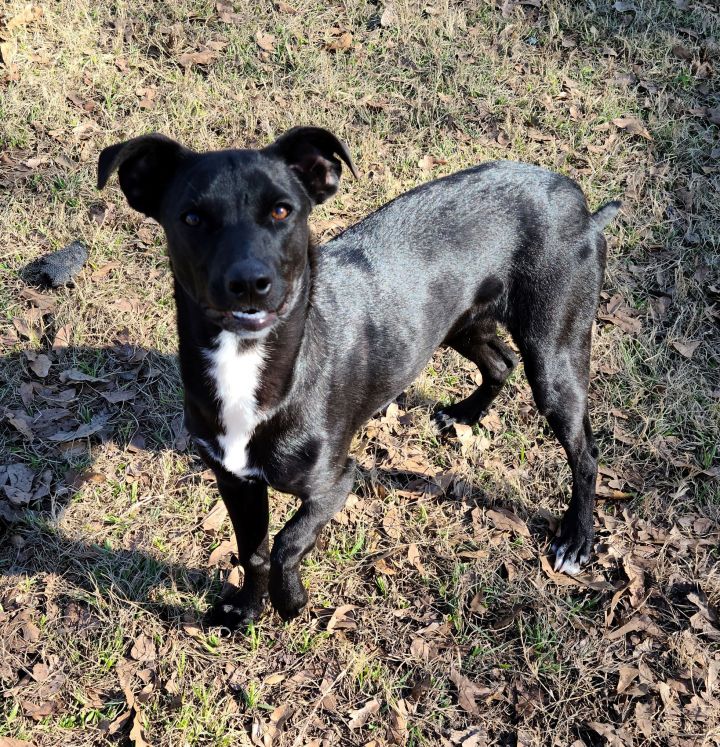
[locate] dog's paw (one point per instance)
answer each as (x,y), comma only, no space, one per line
(445,418)
(235,613)
(288,595)
(443,422)
(572,549)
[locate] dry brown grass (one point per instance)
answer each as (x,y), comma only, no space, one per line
(459,635)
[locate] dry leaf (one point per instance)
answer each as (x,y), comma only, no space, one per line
(38,712)
(221,552)
(136,733)
(84,431)
(638,623)
(340,43)
(468,691)
(389,17)
(143,649)
(39,363)
(632,125)
(414,558)
(266,42)
(118,395)
(397,730)
(627,676)
(203,56)
(8,50)
(686,349)
(506,520)
(360,717)
(215,518)
(428,163)
(26,16)
(342,619)
(62,337)
(283,7)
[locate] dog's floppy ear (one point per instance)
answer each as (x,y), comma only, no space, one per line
(145,166)
(315,155)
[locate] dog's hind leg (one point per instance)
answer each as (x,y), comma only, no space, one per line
(558,372)
(480,344)
(247,505)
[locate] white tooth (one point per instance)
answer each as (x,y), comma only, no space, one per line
(246,315)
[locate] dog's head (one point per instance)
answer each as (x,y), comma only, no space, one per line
(235,220)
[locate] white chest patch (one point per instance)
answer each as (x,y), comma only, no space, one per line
(236,376)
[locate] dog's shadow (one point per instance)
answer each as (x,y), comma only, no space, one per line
(58,413)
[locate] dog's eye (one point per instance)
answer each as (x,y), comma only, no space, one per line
(191,219)
(280,212)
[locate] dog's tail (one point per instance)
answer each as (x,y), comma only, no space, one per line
(606,213)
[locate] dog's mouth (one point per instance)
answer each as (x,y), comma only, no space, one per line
(249,319)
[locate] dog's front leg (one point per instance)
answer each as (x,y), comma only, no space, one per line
(247,504)
(298,537)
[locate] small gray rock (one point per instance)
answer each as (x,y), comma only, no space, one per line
(57,268)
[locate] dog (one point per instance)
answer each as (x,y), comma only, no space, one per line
(286,350)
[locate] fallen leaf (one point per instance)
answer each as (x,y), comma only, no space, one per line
(285,8)
(428,163)
(143,649)
(203,56)
(609,732)
(42,301)
(468,691)
(21,423)
(414,558)
(636,578)
(340,43)
(215,518)
(226,13)
(644,714)
(16,482)
(26,16)
(266,42)
(686,349)
(136,733)
(397,732)
(39,363)
(8,50)
(682,52)
(25,329)
(62,337)
(220,552)
(360,717)
(73,374)
(507,520)
(119,395)
(86,430)
(38,711)
(389,17)
(633,126)
(627,676)
(342,618)
(638,623)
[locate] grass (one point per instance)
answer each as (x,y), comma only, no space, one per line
(117,551)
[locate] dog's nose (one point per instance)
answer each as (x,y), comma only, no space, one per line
(250,278)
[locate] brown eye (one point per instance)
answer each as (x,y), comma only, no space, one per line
(280,212)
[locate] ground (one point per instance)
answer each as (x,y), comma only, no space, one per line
(435,618)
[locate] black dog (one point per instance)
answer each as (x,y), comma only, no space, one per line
(286,350)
